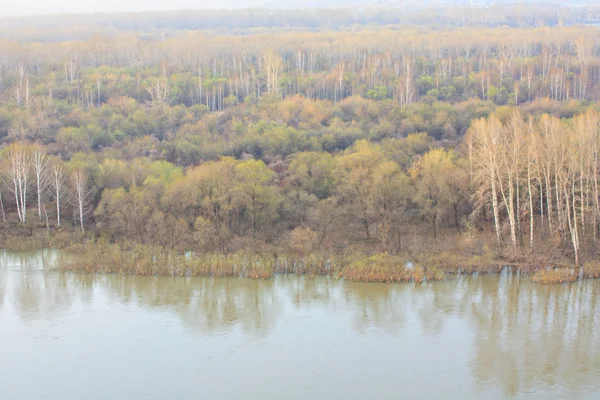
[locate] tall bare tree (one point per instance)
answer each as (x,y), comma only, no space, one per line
(40,166)
(80,195)
(271,66)
(59,183)
(17,173)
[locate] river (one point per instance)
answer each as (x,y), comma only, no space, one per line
(74,336)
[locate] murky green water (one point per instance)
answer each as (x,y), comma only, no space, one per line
(68,336)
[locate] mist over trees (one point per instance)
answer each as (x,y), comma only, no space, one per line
(346,17)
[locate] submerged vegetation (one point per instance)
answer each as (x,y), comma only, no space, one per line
(150,260)
(155,260)
(136,259)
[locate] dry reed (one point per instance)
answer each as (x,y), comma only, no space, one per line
(385,268)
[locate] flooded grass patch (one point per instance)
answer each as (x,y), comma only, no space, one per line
(385,268)
(590,270)
(151,260)
(566,274)
(554,275)
(137,259)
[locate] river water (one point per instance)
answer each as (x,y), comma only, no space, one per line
(74,336)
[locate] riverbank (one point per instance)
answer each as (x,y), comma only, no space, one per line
(92,254)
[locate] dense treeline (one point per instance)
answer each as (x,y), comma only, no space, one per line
(535,179)
(506,66)
(216,205)
(395,141)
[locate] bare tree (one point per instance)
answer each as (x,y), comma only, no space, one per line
(39,122)
(406,85)
(2,206)
(18,91)
(160,93)
(40,166)
(484,138)
(17,174)
(511,146)
(271,66)
(80,194)
(60,186)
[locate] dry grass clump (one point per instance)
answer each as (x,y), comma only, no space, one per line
(313,264)
(555,275)
(435,274)
(591,270)
(22,244)
(150,260)
(385,268)
(223,265)
(97,258)
(102,257)
(452,263)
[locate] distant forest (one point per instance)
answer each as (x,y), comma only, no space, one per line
(438,15)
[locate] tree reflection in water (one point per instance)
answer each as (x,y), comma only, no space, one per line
(526,336)
(206,304)
(34,293)
(377,306)
(522,336)
(529,334)
(3,285)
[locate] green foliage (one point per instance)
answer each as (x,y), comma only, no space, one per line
(313,173)
(437,179)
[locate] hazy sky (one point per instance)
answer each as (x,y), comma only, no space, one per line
(32,7)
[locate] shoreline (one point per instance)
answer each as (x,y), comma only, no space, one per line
(146,260)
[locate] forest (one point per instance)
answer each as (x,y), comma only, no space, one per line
(478,143)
